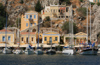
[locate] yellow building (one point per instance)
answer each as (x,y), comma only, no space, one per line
(96,1)
(24,39)
(77,38)
(55,11)
(9,39)
(50,37)
(33,16)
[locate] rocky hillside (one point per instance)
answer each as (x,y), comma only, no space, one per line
(16,7)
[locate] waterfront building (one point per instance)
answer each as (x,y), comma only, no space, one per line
(51,37)
(96,1)
(24,39)
(25,19)
(8,38)
(55,12)
(77,38)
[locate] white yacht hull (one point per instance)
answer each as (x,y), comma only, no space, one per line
(7,51)
(18,52)
(68,51)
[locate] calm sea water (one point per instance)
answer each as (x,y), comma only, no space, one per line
(58,59)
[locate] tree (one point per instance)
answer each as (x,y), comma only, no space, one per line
(81,0)
(47,22)
(65,27)
(2,16)
(98,4)
(21,2)
(18,22)
(82,11)
(38,6)
(67,2)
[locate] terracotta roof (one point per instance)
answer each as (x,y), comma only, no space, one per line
(3,30)
(27,32)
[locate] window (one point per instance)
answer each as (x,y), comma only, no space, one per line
(27,40)
(98,0)
(22,39)
(3,38)
(26,16)
(30,16)
(55,38)
(54,11)
(45,38)
(50,39)
(66,9)
(26,24)
(34,23)
(9,38)
(32,39)
(34,16)
(31,24)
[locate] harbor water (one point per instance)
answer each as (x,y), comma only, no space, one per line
(57,59)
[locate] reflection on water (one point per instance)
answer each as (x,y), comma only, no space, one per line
(58,59)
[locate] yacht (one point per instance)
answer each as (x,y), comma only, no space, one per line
(18,51)
(90,51)
(7,51)
(68,51)
(39,52)
(29,51)
(51,52)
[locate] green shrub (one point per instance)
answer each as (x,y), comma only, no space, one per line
(98,4)
(82,11)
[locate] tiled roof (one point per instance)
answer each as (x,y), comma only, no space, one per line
(27,32)
(3,30)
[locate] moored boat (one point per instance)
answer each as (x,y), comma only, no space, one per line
(7,51)
(51,52)
(90,51)
(39,52)
(29,51)
(18,51)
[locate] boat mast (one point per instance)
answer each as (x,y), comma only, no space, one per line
(38,33)
(87,23)
(6,27)
(6,32)
(29,31)
(18,32)
(90,21)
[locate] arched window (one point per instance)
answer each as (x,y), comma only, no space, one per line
(34,30)
(32,39)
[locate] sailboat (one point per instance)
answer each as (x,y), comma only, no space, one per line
(18,50)
(39,50)
(6,50)
(51,51)
(69,50)
(29,49)
(91,50)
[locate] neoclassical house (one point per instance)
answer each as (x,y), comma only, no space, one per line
(6,38)
(77,38)
(50,37)
(30,17)
(55,11)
